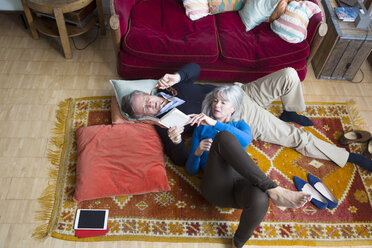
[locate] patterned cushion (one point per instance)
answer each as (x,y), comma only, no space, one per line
(219,6)
(292,25)
(196,9)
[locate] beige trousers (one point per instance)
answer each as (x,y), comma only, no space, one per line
(268,128)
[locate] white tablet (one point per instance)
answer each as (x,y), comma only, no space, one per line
(91,219)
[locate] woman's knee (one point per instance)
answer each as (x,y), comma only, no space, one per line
(224,137)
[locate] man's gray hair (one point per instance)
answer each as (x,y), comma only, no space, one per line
(127,104)
(233,94)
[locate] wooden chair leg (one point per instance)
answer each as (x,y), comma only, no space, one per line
(100,17)
(23,19)
(30,20)
(62,30)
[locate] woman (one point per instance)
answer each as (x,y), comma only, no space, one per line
(231,178)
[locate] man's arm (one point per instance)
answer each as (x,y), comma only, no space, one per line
(176,152)
(189,73)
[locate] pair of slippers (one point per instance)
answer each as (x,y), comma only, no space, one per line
(321,196)
(358,136)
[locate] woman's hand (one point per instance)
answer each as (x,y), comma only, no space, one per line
(201,119)
(174,133)
(168,80)
(204,145)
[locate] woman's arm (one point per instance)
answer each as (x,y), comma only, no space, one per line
(240,130)
(193,161)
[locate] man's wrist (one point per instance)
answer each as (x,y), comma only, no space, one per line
(178,77)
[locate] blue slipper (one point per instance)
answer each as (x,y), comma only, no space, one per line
(323,190)
(316,198)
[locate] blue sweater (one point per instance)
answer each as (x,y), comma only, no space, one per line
(240,129)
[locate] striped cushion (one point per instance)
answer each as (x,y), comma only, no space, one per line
(196,9)
(292,25)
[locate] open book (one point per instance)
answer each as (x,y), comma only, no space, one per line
(173,118)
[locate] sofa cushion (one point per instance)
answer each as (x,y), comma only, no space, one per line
(131,67)
(159,30)
(258,48)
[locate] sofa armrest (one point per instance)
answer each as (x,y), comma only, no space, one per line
(119,19)
(115,32)
(318,36)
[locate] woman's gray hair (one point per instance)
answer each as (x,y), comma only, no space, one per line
(127,104)
(233,94)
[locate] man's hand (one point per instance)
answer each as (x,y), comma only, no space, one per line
(204,145)
(174,133)
(168,80)
(201,119)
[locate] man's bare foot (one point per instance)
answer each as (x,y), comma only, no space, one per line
(282,197)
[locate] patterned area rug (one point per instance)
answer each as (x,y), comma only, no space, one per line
(182,215)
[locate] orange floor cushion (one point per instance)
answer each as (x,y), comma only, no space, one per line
(122,159)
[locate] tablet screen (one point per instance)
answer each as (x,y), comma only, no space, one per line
(91,219)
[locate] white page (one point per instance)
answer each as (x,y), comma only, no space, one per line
(174,118)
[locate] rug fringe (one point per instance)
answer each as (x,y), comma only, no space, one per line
(48,197)
(356,119)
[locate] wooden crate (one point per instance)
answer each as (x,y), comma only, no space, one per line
(344,48)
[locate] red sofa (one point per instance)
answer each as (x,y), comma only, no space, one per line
(153,37)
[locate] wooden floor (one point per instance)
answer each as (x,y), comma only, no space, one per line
(34,78)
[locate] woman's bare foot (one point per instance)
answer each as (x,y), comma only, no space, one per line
(282,197)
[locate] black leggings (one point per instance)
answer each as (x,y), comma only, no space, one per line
(232,179)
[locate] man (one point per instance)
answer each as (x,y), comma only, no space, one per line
(259,94)
(189,95)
